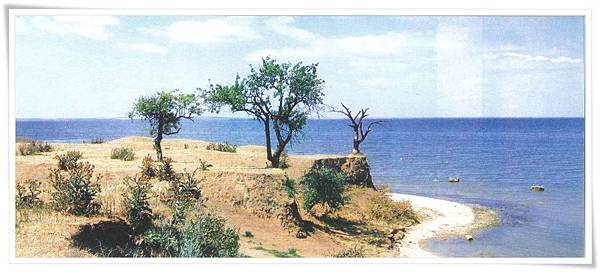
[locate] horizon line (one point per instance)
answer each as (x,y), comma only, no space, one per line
(325,118)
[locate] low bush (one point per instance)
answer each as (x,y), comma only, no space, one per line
(204,165)
(122,153)
(288,185)
(165,170)
(350,252)
(69,160)
(135,200)
(324,186)
(148,168)
(382,207)
(33,147)
(75,192)
(97,140)
(28,194)
(183,193)
(223,147)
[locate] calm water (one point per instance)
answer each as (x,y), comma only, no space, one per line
(497,159)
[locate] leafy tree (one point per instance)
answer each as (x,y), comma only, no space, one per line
(164,112)
(324,186)
(357,125)
(279,95)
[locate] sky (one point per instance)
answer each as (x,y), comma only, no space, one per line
(397,66)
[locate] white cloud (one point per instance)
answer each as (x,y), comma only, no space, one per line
(212,31)
(145,47)
(532,58)
(93,27)
(283,26)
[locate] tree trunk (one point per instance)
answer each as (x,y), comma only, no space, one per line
(277,156)
(356,148)
(157,140)
(268,140)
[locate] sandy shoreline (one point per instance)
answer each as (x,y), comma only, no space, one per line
(442,218)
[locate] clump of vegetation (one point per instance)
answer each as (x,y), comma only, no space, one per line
(122,153)
(284,161)
(135,200)
(186,146)
(183,192)
(324,186)
(28,194)
(76,191)
(204,165)
(148,168)
(69,160)
(290,253)
(97,140)
(223,147)
(382,207)
(350,252)
(165,170)
(288,185)
(33,147)
(208,236)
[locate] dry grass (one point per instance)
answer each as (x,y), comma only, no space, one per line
(46,233)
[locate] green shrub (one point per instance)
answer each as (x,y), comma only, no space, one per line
(148,169)
(350,252)
(69,160)
(324,186)
(75,192)
(382,207)
(204,165)
(165,170)
(97,140)
(204,236)
(122,153)
(223,147)
(288,185)
(135,200)
(186,146)
(183,193)
(33,147)
(28,194)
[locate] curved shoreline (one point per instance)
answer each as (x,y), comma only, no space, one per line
(441,218)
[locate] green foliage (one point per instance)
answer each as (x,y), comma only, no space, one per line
(33,147)
(28,194)
(280,95)
(165,170)
(164,112)
(204,236)
(350,252)
(290,253)
(76,191)
(69,160)
(122,153)
(135,200)
(382,207)
(97,140)
(223,147)
(324,186)
(148,168)
(183,193)
(289,186)
(204,165)
(208,236)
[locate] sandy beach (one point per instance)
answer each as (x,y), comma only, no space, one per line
(441,218)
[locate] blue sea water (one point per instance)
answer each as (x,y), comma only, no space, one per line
(497,160)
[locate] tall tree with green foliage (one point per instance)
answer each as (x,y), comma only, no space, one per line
(164,111)
(279,95)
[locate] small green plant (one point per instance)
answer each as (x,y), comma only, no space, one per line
(186,146)
(183,193)
(290,253)
(69,160)
(135,200)
(148,168)
(324,186)
(350,252)
(223,147)
(97,140)
(33,147)
(204,165)
(165,170)
(289,186)
(248,234)
(122,153)
(382,207)
(284,161)
(28,194)
(76,191)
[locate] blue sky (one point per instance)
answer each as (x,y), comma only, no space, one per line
(398,66)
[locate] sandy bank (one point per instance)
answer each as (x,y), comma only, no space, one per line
(441,218)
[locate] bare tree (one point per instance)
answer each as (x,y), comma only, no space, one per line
(357,125)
